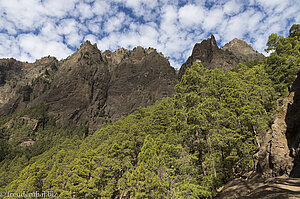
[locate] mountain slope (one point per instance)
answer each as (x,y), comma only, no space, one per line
(242,50)
(211,56)
(89,88)
(184,146)
(92,88)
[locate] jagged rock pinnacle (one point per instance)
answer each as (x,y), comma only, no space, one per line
(211,56)
(213,41)
(242,49)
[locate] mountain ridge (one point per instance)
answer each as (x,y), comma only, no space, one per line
(211,56)
(77,88)
(220,124)
(136,77)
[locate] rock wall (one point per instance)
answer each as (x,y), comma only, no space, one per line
(293,128)
(211,56)
(280,150)
(89,87)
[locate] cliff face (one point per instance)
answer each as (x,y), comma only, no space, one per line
(273,157)
(211,56)
(277,172)
(280,152)
(78,88)
(242,50)
(18,79)
(89,87)
(92,88)
(141,78)
(15,76)
(293,128)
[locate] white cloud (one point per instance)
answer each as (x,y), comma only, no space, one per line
(271,4)
(260,43)
(149,35)
(169,26)
(101,7)
(8,47)
(30,29)
(91,38)
(254,21)
(58,8)
(84,11)
(72,31)
(213,19)
(50,33)
(232,7)
(190,15)
(8,26)
(142,7)
(115,23)
(25,14)
(109,42)
(67,26)
(235,27)
(37,47)
(94,26)
(74,39)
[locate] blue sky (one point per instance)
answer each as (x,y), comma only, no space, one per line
(31,29)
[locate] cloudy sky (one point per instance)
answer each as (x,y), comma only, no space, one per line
(31,29)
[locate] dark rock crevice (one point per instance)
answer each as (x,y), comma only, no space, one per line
(293,128)
(280,150)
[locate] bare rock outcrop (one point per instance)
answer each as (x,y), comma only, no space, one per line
(273,157)
(279,153)
(89,87)
(141,78)
(211,56)
(242,50)
(16,75)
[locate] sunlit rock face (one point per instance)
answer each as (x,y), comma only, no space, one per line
(89,87)
(211,56)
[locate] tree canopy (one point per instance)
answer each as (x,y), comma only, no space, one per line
(183,146)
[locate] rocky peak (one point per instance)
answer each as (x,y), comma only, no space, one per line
(86,55)
(140,77)
(211,56)
(87,45)
(88,51)
(91,88)
(114,58)
(16,75)
(213,42)
(45,60)
(242,49)
(123,55)
(138,52)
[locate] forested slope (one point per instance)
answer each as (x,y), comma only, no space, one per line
(183,146)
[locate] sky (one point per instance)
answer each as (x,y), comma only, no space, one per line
(31,29)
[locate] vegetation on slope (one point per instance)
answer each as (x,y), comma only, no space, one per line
(184,146)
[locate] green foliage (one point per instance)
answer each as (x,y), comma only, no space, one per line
(283,64)
(29,124)
(295,31)
(24,89)
(181,147)
(184,146)
(219,114)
